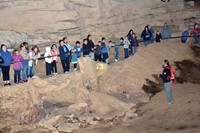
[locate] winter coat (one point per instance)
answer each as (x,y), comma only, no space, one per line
(78,50)
(64,52)
(48,55)
(146,36)
(166,32)
(158,37)
(86,49)
(17,62)
(55,54)
(166,74)
(91,44)
(6,57)
(126,43)
(135,42)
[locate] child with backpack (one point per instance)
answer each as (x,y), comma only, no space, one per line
(17,66)
(76,53)
(97,53)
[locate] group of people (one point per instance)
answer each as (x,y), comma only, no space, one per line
(26,57)
(23,60)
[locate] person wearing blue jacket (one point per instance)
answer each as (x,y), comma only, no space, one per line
(7,58)
(184,36)
(152,33)
(146,36)
(64,56)
(104,51)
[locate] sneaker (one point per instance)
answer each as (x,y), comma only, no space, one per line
(20,81)
(75,69)
(9,84)
(170,103)
(116,60)
(5,84)
(25,80)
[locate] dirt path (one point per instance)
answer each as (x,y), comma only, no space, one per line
(159,117)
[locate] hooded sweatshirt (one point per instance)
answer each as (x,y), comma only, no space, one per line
(47,55)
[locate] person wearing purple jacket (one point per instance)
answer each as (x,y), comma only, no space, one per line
(134,44)
(17,66)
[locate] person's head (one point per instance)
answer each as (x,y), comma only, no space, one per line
(61,42)
(196,25)
(3,47)
(134,35)
(146,28)
(78,43)
(166,64)
(157,32)
(35,49)
(54,47)
(130,32)
(16,52)
(110,42)
(85,41)
(89,37)
(121,39)
(25,44)
(65,39)
(165,24)
(126,37)
(103,39)
(99,43)
(22,46)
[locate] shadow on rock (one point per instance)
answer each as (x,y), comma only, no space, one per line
(152,87)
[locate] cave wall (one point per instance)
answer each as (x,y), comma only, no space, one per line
(44,22)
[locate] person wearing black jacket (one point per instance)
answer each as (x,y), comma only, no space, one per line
(86,48)
(146,36)
(91,44)
(166,77)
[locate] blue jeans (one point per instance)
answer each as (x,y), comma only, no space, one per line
(168,92)
(126,54)
(31,71)
(17,76)
(25,70)
(146,43)
(134,50)
(116,53)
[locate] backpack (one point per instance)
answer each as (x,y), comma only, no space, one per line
(172,77)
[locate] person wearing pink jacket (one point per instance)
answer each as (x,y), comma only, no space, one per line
(17,66)
(54,53)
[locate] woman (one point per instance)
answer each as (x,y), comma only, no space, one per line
(91,44)
(25,55)
(34,55)
(54,52)
(130,38)
(146,36)
(7,59)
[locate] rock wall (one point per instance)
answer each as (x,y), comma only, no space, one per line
(47,21)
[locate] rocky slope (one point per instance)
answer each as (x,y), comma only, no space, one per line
(88,97)
(44,22)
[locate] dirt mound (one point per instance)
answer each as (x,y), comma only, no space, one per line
(96,93)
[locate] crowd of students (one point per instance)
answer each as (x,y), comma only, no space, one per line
(27,56)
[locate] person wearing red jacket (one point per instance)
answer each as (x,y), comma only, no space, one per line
(196,33)
(54,52)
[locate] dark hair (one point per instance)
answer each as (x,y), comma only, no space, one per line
(110,41)
(99,41)
(14,51)
(60,41)
(103,38)
(196,24)
(2,46)
(146,27)
(129,32)
(53,45)
(84,40)
(167,62)
(88,37)
(25,43)
(21,45)
(34,47)
(64,38)
(77,42)
(121,38)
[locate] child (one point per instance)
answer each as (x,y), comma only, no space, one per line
(17,66)
(76,53)
(54,53)
(104,50)
(86,48)
(126,46)
(97,53)
(48,61)
(158,36)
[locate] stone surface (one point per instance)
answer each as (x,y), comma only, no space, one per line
(45,22)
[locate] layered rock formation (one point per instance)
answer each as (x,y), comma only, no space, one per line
(44,22)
